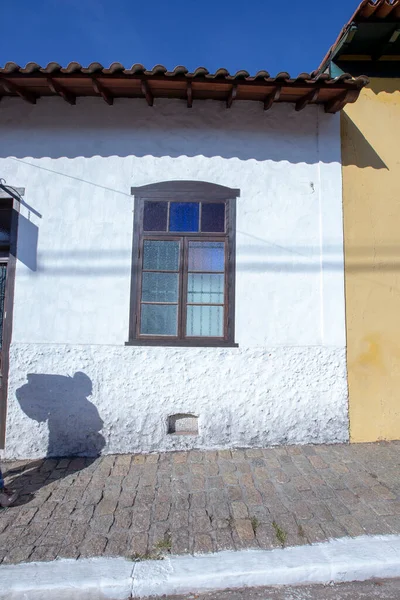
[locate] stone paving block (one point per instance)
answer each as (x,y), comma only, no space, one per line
(227,466)
(300,510)
(106,506)
(243,467)
(55,532)
(317,462)
(179,457)
(144,497)
(301,484)
(161,511)
(25,516)
(383,508)
(266,536)
(274,504)
(75,535)
(197,483)
(200,520)
(45,553)
(203,543)
(393,521)
(234,493)
(140,520)
(252,495)
(336,507)
(375,525)
(279,476)
(181,486)
(181,501)
(211,469)
(180,470)
(288,524)
(117,544)
(225,454)
(224,539)
(69,552)
(239,510)
(45,511)
(384,492)
(101,524)
(122,518)
(198,469)
(230,478)
(211,456)
(214,483)
(152,458)
(180,542)
(254,453)
(293,450)
(244,530)
(16,554)
(93,545)
(157,534)
(197,500)
(196,456)
(126,499)
(339,468)
(333,530)
(178,519)
(312,531)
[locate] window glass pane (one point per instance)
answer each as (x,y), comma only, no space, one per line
(205,321)
(160,287)
(5,225)
(184,216)
(155,216)
(159,319)
(205,288)
(160,255)
(213,217)
(206,256)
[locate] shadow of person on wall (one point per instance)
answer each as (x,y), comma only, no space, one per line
(74,429)
(74,422)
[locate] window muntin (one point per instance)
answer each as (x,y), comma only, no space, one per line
(183,277)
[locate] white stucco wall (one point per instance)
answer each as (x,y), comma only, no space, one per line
(287,380)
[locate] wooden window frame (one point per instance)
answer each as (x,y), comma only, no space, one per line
(184,191)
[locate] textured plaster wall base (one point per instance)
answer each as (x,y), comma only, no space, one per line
(243,397)
(336,561)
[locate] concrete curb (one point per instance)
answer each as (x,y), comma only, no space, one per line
(345,559)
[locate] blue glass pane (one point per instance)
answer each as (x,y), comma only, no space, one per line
(213,217)
(206,256)
(184,216)
(155,216)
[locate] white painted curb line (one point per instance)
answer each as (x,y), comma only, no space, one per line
(345,559)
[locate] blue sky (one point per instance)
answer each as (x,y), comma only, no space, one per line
(276,35)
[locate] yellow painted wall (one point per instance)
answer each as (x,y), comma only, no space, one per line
(371,206)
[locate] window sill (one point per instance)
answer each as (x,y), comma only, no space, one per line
(183,343)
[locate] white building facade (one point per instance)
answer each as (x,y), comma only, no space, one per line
(75,385)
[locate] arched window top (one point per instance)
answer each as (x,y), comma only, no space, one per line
(185,189)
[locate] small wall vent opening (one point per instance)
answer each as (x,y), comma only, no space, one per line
(182,424)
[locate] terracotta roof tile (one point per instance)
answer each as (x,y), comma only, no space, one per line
(116,81)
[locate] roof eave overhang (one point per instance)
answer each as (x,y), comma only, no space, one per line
(34,82)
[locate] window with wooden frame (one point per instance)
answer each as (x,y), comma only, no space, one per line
(183,265)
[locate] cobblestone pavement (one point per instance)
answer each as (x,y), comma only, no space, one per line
(141,506)
(384,589)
